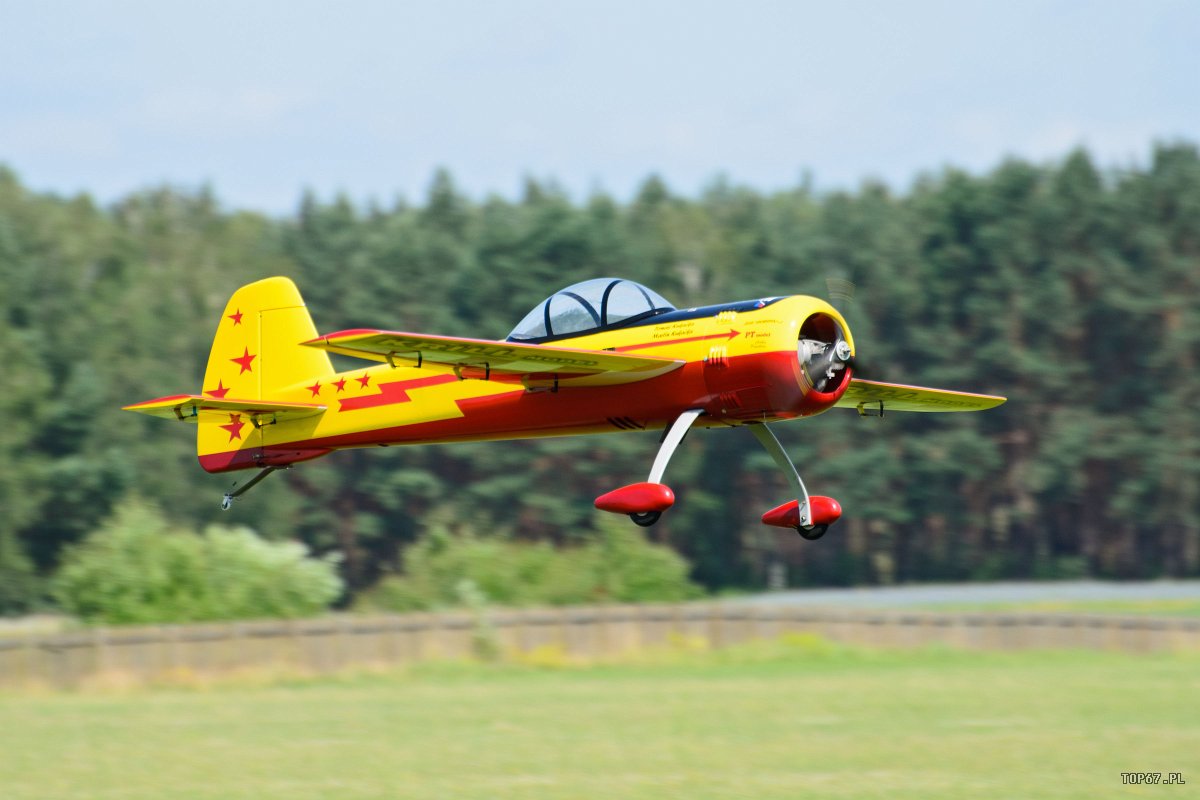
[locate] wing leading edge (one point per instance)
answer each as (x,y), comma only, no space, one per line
(867,395)
(536,364)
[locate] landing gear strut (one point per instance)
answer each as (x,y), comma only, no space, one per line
(809,516)
(645,502)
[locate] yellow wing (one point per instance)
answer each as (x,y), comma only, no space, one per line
(537,365)
(867,396)
(198,408)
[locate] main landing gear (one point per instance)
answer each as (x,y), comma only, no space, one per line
(809,516)
(644,503)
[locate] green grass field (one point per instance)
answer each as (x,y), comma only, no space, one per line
(784,719)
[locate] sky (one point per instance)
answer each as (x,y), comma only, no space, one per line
(263,100)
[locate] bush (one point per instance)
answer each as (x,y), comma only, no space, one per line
(617,565)
(137,569)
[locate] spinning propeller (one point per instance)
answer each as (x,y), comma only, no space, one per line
(841,294)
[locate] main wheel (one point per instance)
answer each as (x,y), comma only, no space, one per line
(645,518)
(813,533)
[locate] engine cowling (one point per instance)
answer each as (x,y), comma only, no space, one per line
(793,362)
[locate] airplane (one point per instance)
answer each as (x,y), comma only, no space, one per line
(601,356)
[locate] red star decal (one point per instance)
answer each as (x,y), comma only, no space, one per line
(235,426)
(364,380)
(315,388)
(341,384)
(244,361)
(218,392)
(236,317)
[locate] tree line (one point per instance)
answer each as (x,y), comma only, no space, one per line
(1067,287)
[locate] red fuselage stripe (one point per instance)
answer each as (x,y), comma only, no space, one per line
(393,392)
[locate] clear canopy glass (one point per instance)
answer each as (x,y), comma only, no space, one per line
(587,306)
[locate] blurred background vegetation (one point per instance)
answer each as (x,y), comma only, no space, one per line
(1068,287)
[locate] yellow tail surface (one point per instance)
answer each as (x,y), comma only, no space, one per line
(256,355)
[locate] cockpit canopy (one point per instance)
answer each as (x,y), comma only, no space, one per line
(589,306)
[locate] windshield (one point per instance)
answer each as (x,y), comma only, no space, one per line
(587,306)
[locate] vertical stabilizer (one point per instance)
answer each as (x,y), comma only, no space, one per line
(256,355)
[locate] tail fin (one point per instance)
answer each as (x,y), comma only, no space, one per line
(259,376)
(257,356)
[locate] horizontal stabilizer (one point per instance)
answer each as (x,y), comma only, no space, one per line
(897,397)
(537,365)
(198,408)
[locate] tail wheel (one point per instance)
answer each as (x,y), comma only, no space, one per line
(645,518)
(813,533)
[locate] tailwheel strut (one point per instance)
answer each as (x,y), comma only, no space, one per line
(234,493)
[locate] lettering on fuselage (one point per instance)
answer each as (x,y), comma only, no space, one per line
(673,331)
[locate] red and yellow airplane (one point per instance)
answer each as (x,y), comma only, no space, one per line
(600,356)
